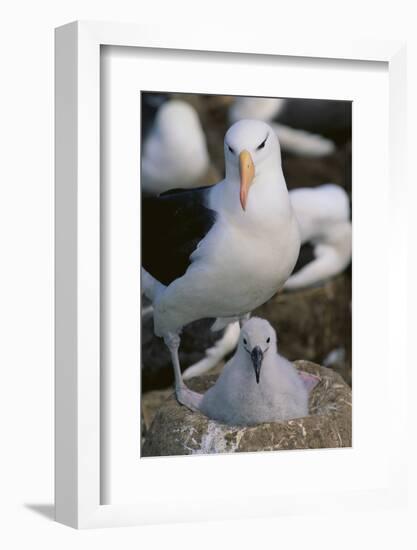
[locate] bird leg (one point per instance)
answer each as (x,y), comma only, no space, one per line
(243,319)
(185,396)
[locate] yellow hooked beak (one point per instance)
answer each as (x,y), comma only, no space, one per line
(247,173)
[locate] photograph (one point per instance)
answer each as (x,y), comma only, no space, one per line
(246,248)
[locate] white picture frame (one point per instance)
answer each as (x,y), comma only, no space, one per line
(78,404)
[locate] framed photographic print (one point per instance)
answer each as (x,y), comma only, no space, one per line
(223,330)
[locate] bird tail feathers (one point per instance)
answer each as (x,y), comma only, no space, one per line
(303,143)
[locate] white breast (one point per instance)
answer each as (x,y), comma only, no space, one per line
(237,399)
(241,263)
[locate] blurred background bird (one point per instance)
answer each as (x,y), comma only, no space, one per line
(311,127)
(175,154)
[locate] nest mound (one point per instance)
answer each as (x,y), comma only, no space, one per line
(177,431)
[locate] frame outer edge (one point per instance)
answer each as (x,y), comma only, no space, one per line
(400,243)
(88,276)
(66,345)
(77,307)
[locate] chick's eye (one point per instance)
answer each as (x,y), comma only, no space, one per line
(268,340)
(230,149)
(244,341)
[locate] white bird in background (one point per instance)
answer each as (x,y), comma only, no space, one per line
(222,251)
(293,140)
(260,108)
(323,214)
(175,152)
(257,384)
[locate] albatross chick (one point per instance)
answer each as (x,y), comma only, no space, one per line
(258,385)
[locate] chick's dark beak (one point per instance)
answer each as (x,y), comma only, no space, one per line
(257,358)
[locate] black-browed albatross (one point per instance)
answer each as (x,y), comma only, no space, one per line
(219,252)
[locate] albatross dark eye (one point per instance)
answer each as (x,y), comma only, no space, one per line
(244,341)
(262,145)
(230,149)
(268,340)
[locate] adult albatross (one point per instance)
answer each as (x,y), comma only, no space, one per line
(219,252)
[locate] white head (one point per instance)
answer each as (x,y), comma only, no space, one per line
(250,148)
(258,339)
(175,154)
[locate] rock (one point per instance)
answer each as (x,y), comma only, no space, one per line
(152,400)
(150,403)
(143,429)
(177,431)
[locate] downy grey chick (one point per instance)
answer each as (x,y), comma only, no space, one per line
(258,385)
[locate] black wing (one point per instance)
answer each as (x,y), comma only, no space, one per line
(172,226)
